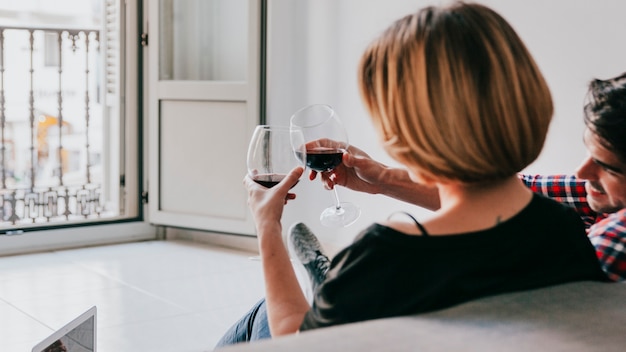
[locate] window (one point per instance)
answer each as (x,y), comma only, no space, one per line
(65,156)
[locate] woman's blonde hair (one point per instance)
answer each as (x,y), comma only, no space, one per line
(455,94)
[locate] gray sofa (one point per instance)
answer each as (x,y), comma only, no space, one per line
(582,316)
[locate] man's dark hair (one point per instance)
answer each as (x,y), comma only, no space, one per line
(605,113)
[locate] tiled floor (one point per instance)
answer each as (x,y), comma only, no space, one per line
(151,296)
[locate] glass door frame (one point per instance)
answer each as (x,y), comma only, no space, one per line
(206,94)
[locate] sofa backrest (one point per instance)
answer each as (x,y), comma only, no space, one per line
(574,317)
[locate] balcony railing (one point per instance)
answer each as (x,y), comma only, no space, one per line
(51,116)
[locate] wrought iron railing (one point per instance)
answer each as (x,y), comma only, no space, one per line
(47,159)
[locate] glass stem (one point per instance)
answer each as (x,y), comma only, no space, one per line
(337,202)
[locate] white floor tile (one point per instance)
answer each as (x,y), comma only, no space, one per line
(148,263)
(52,281)
(151,296)
(186,333)
(16,327)
(209,292)
(116,306)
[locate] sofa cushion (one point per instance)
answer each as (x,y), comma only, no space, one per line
(581,316)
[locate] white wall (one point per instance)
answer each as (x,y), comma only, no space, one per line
(315,45)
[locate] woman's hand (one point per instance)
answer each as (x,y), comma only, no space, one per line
(267,204)
(286,304)
(358,172)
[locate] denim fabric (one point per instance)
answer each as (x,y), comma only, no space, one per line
(252,326)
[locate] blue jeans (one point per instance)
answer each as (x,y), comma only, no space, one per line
(252,326)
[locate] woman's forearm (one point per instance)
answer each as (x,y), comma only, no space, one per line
(396,183)
(361,173)
(286,303)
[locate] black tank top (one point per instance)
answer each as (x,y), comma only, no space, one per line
(417,223)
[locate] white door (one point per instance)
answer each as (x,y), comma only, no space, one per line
(204,76)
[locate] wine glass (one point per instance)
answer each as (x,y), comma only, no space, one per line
(326,140)
(270,154)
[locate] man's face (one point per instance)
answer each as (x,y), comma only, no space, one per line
(605,175)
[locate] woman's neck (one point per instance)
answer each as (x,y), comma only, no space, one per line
(455,193)
(472,207)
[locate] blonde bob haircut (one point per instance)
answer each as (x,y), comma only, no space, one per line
(455,95)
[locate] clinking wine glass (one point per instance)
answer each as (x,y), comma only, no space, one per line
(270,154)
(326,140)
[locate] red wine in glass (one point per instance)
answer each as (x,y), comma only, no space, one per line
(318,127)
(322,159)
(271,156)
(269,180)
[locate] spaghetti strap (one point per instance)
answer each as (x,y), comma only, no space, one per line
(417,223)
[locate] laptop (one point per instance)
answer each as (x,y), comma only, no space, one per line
(79,335)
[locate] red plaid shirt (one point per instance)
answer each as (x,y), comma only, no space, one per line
(607,232)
